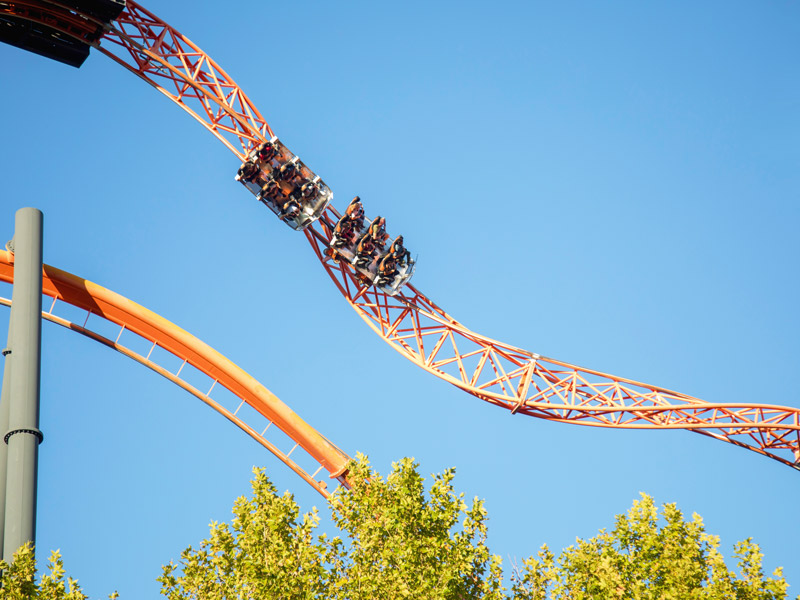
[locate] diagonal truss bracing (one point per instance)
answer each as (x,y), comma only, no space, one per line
(172,64)
(537,386)
(508,377)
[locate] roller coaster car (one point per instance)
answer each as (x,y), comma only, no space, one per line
(349,236)
(390,283)
(284,184)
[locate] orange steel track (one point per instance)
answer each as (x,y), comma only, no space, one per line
(514,379)
(135,320)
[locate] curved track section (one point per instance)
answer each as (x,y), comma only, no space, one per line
(517,380)
(137,327)
(530,384)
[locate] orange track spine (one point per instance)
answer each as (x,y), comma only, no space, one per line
(108,305)
(517,380)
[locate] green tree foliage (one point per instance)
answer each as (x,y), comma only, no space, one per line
(398,541)
(19,579)
(649,556)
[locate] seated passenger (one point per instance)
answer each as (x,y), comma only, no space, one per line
(349,224)
(377,231)
(355,212)
(286,172)
(401,254)
(290,209)
(365,251)
(387,269)
(249,171)
(344,232)
(270,190)
(309,191)
(266,151)
(383,236)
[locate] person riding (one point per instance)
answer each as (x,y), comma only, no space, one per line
(343,232)
(309,191)
(286,172)
(349,224)
(387,269)
(266,151)
(365,250)
(401,254)
(355,212)
(249,171)
(377,231)
(270,190)
(290,209)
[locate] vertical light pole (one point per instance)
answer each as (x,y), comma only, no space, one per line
(4,401)
(23,357)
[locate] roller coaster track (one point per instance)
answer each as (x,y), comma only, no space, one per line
(517,380)
(136,323)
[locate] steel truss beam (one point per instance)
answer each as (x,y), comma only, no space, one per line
(517,380)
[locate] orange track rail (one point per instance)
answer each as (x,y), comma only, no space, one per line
(517,380)
(134,319)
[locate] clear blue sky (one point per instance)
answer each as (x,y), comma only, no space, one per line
(613,185)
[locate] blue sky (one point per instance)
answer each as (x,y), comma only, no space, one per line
(613,185)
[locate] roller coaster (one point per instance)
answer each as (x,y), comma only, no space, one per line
(508,377)
(136,322)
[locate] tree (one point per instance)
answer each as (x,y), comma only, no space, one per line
(645,557)
(397,541)
(19,579)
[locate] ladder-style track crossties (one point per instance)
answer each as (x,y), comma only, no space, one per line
(517,380)
(149,339)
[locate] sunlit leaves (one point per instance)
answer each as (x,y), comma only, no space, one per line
(398,538)
(18,581)
(648,555)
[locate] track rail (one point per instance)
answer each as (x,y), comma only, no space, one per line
(517,380)
(136,323)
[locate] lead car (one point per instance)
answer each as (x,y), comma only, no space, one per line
(281,181)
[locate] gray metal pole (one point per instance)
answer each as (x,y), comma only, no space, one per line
(4,401)
(23,435)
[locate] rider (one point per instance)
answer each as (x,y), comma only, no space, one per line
(377,231)
(401,254)
(286,172)
(341,233)
(309,191)
(351,221)
(387,269)
(266,151)
(290,208)
(355,212)
(249,171)
(365,250)
(270,190)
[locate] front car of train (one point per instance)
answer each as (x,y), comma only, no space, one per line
(282,182)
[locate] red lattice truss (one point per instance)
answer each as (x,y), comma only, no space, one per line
(514,379)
